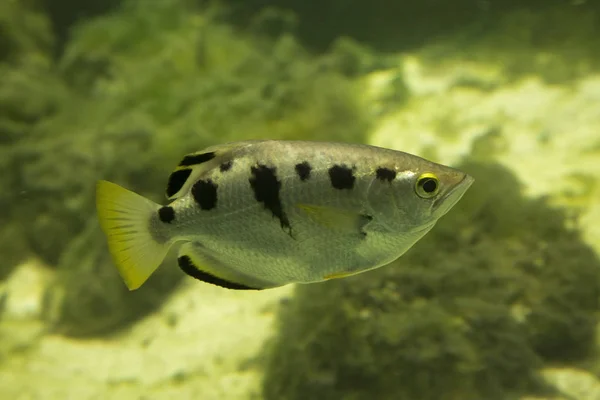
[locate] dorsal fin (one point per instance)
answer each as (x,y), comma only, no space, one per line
(193,165)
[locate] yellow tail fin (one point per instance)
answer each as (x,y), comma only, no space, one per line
(125,219)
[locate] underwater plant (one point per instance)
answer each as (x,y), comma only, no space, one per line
(404,25)
(29,92)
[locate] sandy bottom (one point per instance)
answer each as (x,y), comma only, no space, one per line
(201,345)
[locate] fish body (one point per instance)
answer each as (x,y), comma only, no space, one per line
(262,214)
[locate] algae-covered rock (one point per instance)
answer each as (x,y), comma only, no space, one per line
(468,313)
(25,30)
(556,42)
(555,39)
(88,297)
(64,14)
(403,24)
(29,92)
(573,383)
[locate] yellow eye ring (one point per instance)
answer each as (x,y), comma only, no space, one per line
(427,186)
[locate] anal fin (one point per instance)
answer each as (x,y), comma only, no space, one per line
(195,262)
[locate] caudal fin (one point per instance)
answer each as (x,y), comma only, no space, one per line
(125,219)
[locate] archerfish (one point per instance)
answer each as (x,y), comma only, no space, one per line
(266,213)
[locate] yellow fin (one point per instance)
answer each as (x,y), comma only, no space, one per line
(125,217)
(342,220)
(194,261)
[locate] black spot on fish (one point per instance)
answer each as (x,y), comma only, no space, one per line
(166,214)
(266,189)
(226,166)
(385,174)
(303,170)
(177,180)
(194,159)
(187,265)
(341,177)
(205,194)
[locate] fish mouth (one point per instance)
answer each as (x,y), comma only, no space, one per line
(445,203)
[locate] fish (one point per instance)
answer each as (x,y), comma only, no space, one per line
(260,214)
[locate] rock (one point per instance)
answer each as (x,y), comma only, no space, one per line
(202,343)
(23,291)
(575,383)
(522,124)
(403,25)
(21,307)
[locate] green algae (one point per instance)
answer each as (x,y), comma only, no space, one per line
(555,42)
(406,25)
(29,92)
(87,298)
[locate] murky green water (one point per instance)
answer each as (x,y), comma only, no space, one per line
(499,301)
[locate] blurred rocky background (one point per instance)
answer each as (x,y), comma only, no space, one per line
(500,301)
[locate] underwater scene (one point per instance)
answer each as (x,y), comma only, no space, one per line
(500,300)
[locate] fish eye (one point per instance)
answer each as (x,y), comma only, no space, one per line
(427,186)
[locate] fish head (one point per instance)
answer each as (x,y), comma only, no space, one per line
(422,194)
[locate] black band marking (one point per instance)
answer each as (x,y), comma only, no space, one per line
(266,189)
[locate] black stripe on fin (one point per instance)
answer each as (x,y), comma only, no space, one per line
(187,265)
(177,180)
(194,159)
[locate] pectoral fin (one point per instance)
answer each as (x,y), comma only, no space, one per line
(336,219)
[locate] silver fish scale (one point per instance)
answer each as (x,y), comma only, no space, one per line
(244,235)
